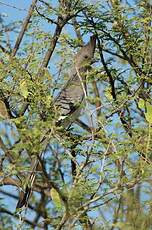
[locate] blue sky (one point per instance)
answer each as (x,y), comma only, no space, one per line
(13,13)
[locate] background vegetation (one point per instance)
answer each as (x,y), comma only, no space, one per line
(96,174)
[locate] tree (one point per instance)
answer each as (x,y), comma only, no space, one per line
(95,174)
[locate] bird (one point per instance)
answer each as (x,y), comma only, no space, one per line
(71,97)
(69,101)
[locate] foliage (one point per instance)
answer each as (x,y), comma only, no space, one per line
(96,174)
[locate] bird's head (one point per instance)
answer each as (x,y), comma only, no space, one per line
(86,53)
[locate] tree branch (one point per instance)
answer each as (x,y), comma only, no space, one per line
(24,27)
(3,210)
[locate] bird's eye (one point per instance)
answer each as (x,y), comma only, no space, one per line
(85,56)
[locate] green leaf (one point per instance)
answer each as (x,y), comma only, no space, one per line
(24,89)
(48,101)
(141,103)
(56,198)
(108,94)
(148,114)
(3,111)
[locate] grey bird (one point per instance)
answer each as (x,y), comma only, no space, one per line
(69,101)
(71,96)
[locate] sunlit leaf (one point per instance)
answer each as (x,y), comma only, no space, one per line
(141,103)
(24,89)
(3,111)
(56,198)
(48,101)
(108,94)
(148,113)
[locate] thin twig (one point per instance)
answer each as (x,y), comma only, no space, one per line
(12,6)
(24,27)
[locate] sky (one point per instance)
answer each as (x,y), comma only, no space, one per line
(14,9)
